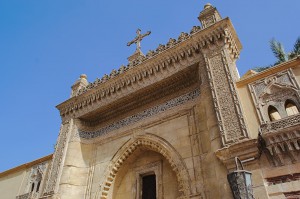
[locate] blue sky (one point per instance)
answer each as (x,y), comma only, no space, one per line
(46,45)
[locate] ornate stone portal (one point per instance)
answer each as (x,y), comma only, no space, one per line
(153,104)
(179,114)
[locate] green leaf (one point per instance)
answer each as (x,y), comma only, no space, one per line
(278,51)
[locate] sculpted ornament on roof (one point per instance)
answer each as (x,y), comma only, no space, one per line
(151,53)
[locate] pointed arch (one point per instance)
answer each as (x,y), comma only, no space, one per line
(273,113)
(290,107)
(153,143)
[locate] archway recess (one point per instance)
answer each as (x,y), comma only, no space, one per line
(153,143)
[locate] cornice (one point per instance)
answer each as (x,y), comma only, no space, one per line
(246,150)
(26,165)
(156,65)
(270,71)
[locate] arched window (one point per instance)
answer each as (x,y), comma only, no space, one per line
(32,187)
(38,186)
(291,108)
(273,113)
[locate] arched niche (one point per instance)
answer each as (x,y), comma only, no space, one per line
(290,107)
(152,143)
(273,113)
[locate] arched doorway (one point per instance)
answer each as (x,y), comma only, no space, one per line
(148,149)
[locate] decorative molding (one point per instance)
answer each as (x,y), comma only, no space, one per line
(280,125)
(166,60)
(282,142)
(283,179)
(290,64)
(245,150)
(228,109)
(141,115)
(36,177)
(152,143)
(274,90)
(152,168)
(53,175)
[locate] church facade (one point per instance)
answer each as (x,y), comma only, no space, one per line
(170,124)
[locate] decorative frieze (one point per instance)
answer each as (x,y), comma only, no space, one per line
(281,146)
(171,57)
(142,115)
(226,103)
(274,90)
(54,173)
(283,179)
(278,125)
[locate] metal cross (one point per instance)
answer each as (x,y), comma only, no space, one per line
(138,39)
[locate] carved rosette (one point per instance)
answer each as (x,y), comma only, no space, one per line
(228,109)
(54,173)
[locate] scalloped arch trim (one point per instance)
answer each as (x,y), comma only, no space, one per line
(153,143)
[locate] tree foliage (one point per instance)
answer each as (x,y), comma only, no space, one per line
(278,51)
(296,51)
(281,56)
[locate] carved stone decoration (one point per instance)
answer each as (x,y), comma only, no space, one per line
(153,143)
(274,90)
(209,16)
(24,196)
(226,102)
(142,115)
(280,140)
(34,181)
(54,173)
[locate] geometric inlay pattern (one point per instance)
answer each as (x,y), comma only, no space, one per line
(142,115)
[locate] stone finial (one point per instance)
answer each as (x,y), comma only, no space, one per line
(209,15)
(80,83)
(208,5)
(83,76)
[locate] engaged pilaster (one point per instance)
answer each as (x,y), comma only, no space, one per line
(220,53)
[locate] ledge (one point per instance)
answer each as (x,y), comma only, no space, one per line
(246,150)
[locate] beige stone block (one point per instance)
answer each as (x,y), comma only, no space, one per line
(100,170)
(78,155)
(71,192)
(189,162)
(205,142)
(260,192)
(257,178)
(185,151)
(106,151)
(216,144)
(274,189)
(74,176)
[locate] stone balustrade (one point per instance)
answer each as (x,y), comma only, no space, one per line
(278,125)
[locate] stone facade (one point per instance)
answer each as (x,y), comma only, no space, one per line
(182,114)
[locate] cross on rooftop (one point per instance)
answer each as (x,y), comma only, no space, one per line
(137,40)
